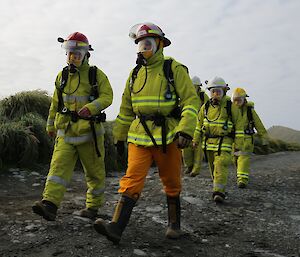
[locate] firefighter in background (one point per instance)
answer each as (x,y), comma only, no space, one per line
(154,127)
(216,121)
(193,155)
(75,120)
(250,121)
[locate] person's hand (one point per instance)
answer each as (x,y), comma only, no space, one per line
(84,112)
(51,134)
(120,145)
(184,140)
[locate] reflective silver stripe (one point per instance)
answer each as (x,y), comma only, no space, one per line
(58,180)
(242,175)
(96,192)
(50,122)
(96,104)
(80,139)
(74,98)
(219,186)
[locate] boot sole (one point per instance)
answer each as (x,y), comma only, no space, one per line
(101,229)
(40,211)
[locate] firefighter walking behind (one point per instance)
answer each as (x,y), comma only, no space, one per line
(154,127)
(216,121)
(193,155)
(251,122)
(81,93)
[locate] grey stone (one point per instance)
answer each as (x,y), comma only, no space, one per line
(139,252)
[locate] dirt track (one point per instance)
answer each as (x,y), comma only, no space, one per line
(262,220)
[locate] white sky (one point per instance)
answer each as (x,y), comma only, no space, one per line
(252,44)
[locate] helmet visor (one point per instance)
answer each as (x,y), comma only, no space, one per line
(72,46)
(75,57)
(147,45)
(216,93)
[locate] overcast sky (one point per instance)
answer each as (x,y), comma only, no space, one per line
(252,44)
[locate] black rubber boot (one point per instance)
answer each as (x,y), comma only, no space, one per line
(218,197)
(113,230)
(174,213)
(46,209)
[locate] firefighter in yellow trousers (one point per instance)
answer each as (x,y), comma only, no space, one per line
(216,121)
(154,126)
(250,121)
(81,93)
(193,156)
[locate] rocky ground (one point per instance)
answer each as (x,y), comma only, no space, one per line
(262,220)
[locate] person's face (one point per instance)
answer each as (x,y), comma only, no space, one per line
(216,93)
(239,101)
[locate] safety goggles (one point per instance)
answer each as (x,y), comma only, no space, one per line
(147,45)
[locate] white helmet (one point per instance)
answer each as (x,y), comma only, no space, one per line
(196,81)
(217,82)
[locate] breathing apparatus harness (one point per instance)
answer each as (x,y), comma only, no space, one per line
(61,108)
(158,119)
(225,126)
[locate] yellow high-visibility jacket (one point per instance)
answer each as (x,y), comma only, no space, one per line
(146,97)
(76,96)
(248,145)
(216,127)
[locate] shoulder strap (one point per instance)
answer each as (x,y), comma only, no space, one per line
(168,71)
(228,108)
(249,114)
(202,96)
(206,108)
(63,83)
(93,82)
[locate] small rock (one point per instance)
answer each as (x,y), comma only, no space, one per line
(36,184)
(154,209)
(33,173)
(193,200)
(268,205)
(82,218)
(295,217)
(204,240)
(139,252)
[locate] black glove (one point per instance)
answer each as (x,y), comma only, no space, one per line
(120,145)
(184,140)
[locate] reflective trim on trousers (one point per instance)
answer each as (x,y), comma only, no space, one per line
(96,192)
(242,175)
(220,186)
(58,180)
(50,122)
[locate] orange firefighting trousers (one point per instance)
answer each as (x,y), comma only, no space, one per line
(139,161)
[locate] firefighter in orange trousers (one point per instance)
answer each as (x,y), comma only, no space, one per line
(154,126)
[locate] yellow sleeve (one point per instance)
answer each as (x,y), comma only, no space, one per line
(197,133)
(105,94)
(259,126)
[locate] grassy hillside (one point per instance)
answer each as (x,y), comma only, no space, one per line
(285,134)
